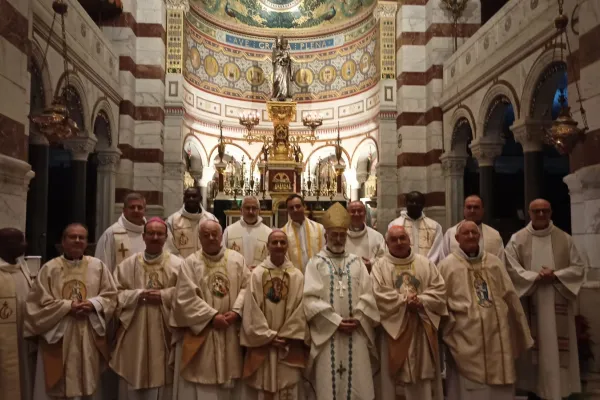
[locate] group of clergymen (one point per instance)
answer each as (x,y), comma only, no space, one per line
(180,310)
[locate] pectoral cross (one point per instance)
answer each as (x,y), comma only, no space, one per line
(341,287)
(341,370)
(122,250)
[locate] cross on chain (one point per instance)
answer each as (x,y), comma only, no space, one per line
(123,250)
(341,370)
(341,287)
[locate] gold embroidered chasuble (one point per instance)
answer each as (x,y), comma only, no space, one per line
(304,241)
(73,350)
(143,348)
(182,230)
(121,240)
(425,235)
(248,240)
(16,373)
(337,287)
(551,370)
(273,308)
(207,286)
(486,329)
(411,337)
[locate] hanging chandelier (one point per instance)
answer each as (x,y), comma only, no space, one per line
(54,122)
(564,134)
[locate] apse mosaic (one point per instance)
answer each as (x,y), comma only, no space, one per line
(300,17)
(243,69)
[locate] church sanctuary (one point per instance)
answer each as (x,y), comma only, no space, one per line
(144,122)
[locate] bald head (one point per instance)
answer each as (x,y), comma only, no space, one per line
(277,244)
(540,213)
(211,235)
(398,241)
(358,212)
(12,244)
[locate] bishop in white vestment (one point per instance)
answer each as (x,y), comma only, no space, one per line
(67,309)
(248,236)
(363,241)
(17,355)
(123,238)
(486,329)
(411,298)
(489,239)
(146,283)
(305,237)
(274,328)
(207,308)
(425,234)
(183,224)
(341,311)
(547,272)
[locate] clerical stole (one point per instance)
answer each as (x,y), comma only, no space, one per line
(141,355)
(185,235)
(9,339)
(273,308)
(304,241)
(486,329)
(425,235)
(122,244)
(252,245)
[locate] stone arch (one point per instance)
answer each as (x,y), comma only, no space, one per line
(535,77)
(102,109)
(37,58)
(241,150)
(461,115)
(360,150)
(77,85)
(195,151)
(494,105)
(345,156)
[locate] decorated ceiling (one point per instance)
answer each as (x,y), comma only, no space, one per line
(239,66)
(293,18)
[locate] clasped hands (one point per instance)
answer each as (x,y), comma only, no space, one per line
(222,321)
(546,275)
(413,302)
(348,325)
(81,309)
(151,297)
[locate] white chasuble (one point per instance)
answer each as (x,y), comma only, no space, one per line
(486,329)
(489,241)
(73,351)
(16,353)
(208,362)
(273,309)
(409,344)
(551,369)
(182,230)
(304,241)
(366,243)
(425,235)
(337,287)
(121,240)
(248,240)
(141,355)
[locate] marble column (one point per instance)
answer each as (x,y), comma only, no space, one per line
(453,170)
(485,149)
(387,171)
(37,200)
(80,149)
(206,177)
(108,160)
(530,133)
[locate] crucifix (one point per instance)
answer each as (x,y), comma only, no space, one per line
(122,250)
(341,287)
(341,370)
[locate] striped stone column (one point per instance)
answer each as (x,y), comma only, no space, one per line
(424,40)
(139,37)
(15,172)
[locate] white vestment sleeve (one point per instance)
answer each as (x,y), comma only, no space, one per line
(523,279)
(572,277)
(170,243)
(446,243)
(104,248)
(57,332)
(436,249)
(224,241)
(97,318)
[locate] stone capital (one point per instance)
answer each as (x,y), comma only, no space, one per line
(108,158)
(486,149)
(531,133)
(183,5)
(80,147)
(584,184)
(453,165)
(385,9)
